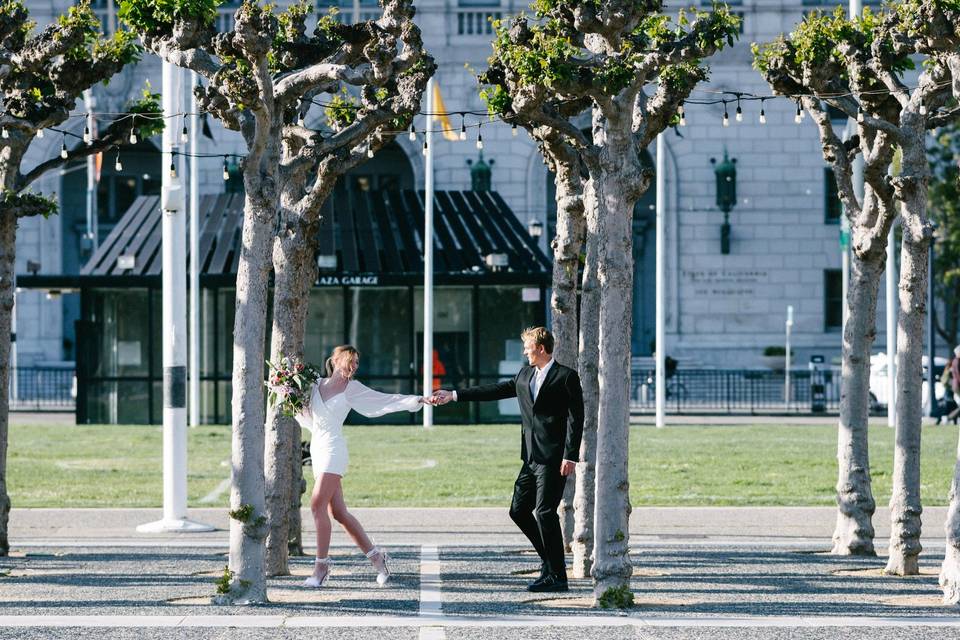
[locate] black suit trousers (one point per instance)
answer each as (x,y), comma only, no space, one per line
(536,496)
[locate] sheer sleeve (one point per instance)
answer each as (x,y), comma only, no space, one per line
(305,417)
(374,404)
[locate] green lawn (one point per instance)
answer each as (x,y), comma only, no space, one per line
(119,466)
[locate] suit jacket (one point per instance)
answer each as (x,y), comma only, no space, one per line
(553,425)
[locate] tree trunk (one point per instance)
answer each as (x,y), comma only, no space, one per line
(950,569)
(248,523)
(585,499)
(613,184)
(563,302)
(294,275)
(853,534)
(905,506)
(8,248)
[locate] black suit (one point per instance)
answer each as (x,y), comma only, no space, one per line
(552,428)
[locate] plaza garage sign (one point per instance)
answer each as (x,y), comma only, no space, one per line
(348,281)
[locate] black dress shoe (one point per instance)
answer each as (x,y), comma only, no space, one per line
(544,572)
(549,584)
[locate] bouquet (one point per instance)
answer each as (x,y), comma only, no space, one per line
(288,385)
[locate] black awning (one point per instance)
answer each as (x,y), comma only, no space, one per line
(371,233)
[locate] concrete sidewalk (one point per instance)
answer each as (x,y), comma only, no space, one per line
(473,526)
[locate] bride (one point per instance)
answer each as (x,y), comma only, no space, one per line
(331,399)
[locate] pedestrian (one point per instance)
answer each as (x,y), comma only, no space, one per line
(951,391)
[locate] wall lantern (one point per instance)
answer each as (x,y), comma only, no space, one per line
(726,172)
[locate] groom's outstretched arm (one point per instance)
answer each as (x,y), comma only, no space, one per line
(495,391)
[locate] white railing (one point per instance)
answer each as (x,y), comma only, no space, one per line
(475,22)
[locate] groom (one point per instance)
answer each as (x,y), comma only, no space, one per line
(551,409)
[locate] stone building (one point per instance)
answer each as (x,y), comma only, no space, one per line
(723,309)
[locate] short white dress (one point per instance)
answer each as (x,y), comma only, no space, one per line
(324,419)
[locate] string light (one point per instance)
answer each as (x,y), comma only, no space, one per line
(4,133)
(226,169)
(63,149)
(513,130)
(763,115)
(424,145)
(479,136)
(40,133)
(739,115)
(369,151)
(923,107)
(300,119)
(86,134)
(683,116)
(133,129)
(413,133)
(463,127)
(799,115)
(859,114)
(726,116)
(117,165)
(173,169)
(184,135)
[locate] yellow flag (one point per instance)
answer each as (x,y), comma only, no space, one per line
(442,116)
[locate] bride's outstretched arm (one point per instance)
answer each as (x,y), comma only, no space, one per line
(374,404)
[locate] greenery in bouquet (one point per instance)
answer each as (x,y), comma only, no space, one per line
(289,384)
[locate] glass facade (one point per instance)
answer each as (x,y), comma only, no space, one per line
(476,340)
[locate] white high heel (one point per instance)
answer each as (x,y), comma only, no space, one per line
(380,564)
(315,582)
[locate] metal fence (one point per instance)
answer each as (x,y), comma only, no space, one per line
(42,389)
(744,391)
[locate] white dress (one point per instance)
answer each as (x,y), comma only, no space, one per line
(324,419)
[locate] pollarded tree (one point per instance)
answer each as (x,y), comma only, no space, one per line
(881,47)
(385,64)
(636,66)
(42,75)
(245,70)
(821,64)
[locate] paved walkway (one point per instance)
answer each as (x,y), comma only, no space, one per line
(460,573)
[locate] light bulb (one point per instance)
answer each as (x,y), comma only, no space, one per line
(300,119)
(479,140)
(859,114)
(726,118)
(39,133)
(63,151)
(683,119)
(86,134)
(513,130)
(413,133)
(424,147)
(4,133)
(799,115)
(226,170)
(117,165)
(923,107)
(184,135)
(739,115)
(173,169)
(369,152)
(463,130)
(763,116)
(133,137)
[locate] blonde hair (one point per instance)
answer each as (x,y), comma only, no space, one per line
(338,356)
(540,337)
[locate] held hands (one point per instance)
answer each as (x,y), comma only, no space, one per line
(440,397)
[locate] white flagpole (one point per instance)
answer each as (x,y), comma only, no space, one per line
(660,341)
(891,320)
(428,261)
(194,258)
(174,325)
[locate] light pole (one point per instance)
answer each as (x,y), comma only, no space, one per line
(174,324)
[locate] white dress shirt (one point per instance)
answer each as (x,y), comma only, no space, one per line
(537,380)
